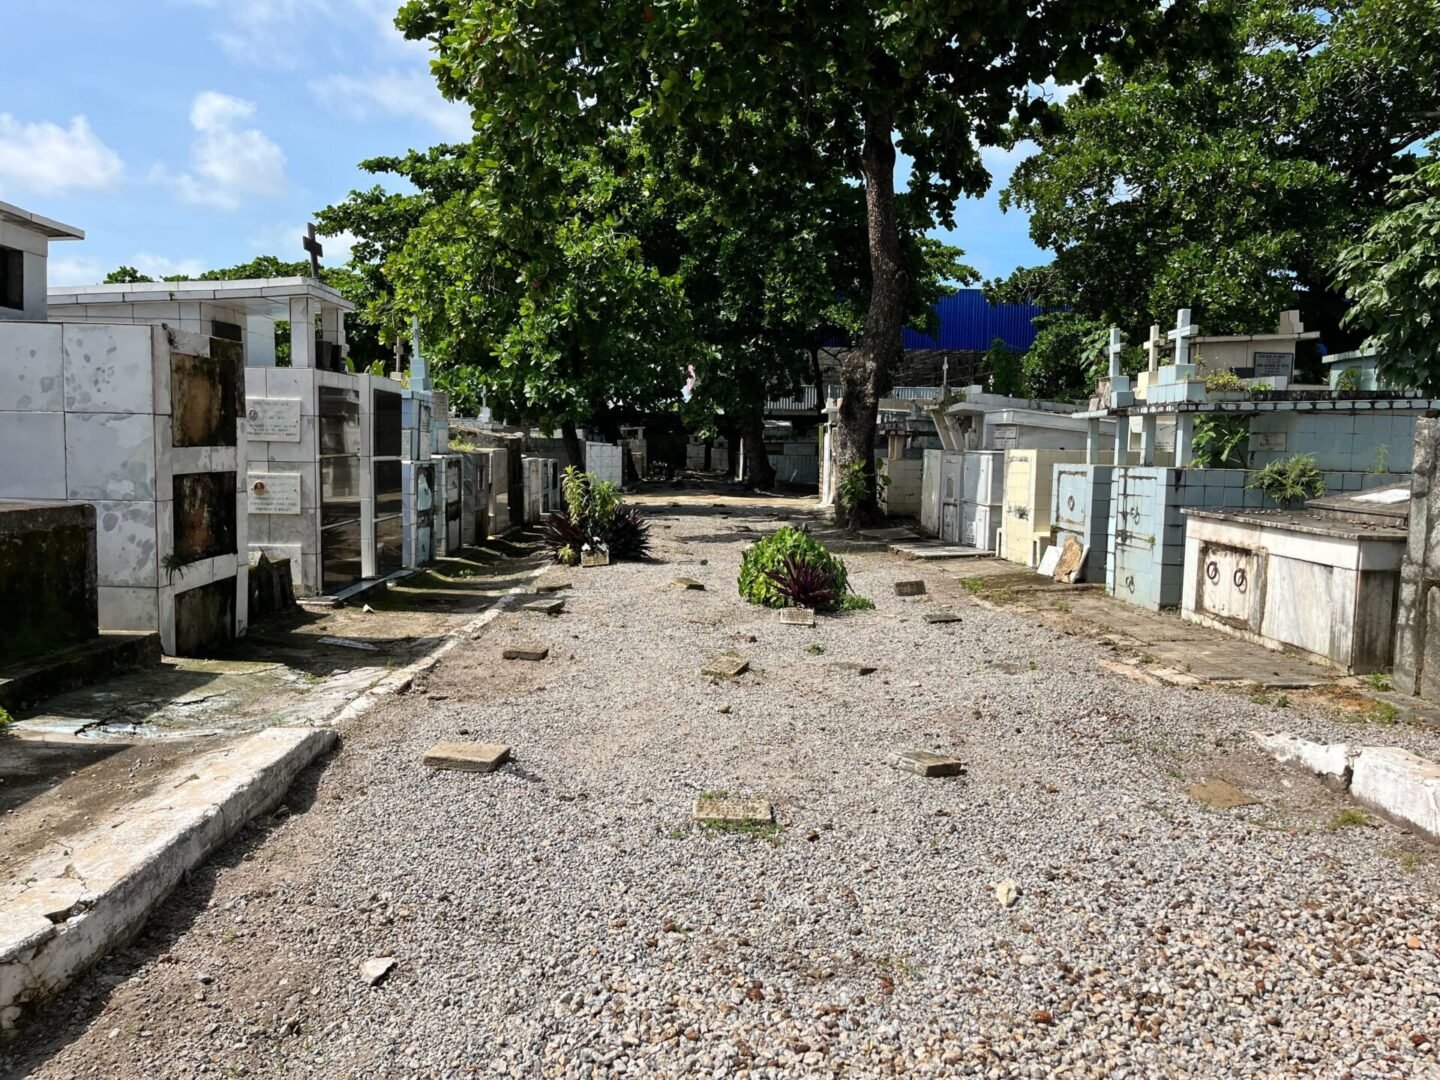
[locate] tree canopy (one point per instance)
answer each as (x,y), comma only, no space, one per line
(1234,196)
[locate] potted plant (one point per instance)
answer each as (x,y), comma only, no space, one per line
(1225,386)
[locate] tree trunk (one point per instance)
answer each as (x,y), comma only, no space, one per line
(864,371)
(758,472)
(573,450)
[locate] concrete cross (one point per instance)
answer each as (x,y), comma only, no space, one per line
(1117,346)
(1152,347)
(1183,332)
(312,245)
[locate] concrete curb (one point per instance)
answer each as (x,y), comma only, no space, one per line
(78,903)
(1403,786)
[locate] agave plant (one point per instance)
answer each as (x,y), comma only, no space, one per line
(559,533)
(806,583)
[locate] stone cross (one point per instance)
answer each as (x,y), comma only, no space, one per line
(1117,346)
(1183,332)
(1152,347)
(312,245)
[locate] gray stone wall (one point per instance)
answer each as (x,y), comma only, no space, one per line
(1417,624)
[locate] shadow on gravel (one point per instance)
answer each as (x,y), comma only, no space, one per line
(76,1008)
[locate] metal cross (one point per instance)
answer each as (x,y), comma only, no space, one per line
(1117,346)
(1152,347)
(312,245)
(1183,332)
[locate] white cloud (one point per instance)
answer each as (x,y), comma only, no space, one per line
(292,34)
(45,158)
(283,241)
(227,162)
(1001,162)
(89,270)
(406,95)
(75,270)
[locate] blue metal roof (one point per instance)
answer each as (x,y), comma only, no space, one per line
(969,321)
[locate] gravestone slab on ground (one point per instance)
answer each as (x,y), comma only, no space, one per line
(853,668)
(1048,562)
(466,757)
(726,810)
(924,763)
(525,652)
(544,607)
(909,588)
(551,586)
(690,584)
(941,617)
(726,667)
(1221,794)
(1072,561)
(797,616)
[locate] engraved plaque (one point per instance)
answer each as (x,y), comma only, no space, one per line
(274,493)
(273,419)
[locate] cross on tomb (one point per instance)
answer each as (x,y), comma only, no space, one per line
(1116,347)
(1183,332)
(1152,347)
(312,245)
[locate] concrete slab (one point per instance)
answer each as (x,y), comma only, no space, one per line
(850,668)
(522,652)
(689,584)
(797,616)
(1401,785)
(925,763)
(909,588)
(466,757)
(726,667)
(127,865)
(1329,761)
(936,617)
(714,809)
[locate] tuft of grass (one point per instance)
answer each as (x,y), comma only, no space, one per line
(5,718)
(1379,683)
(1283,701)
(857,603)
(1260,699)
(1408,860)
(1382,712)
(972,585)
(815,649)
(1347,819)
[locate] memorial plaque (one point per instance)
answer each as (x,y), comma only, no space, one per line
(273,419)
(1274,365)
(274,493)
(1272,442)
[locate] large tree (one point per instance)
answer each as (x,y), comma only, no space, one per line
(1393,277)
(1231,195)
(859,77)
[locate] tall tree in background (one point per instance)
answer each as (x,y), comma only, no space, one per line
(1234,196)
(938,79)
(1393,276)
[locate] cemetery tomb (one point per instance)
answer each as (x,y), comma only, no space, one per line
(447,503)
(606,462)
(542,488)
(1081,511)
(474,496)
(25,240)
(417,495)
(1324,580)
(930,492)
(901,496)
(1417,622)
(1029,480)
(47,579)
(387,470)
(982,478)
(141,422)
(1146,532)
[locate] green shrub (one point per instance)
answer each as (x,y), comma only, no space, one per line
(1289,481)
(769,556)
(1223,382)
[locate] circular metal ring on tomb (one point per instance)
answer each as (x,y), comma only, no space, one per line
(1240,578)
(1212,571)
(1070,503)
(1130,583)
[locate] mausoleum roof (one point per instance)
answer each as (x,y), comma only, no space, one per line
(47,227)
(256,296)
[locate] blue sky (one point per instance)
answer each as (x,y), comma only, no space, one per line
(188,134)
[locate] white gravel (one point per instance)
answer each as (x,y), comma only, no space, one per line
(562,917)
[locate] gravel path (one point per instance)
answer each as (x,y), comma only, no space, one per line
(563,918)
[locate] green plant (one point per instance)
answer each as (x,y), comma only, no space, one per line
(854,602)
(1382,460)
(854,483)
(1261,388)
(1347,819)
(175,562)
(1218,441)
(1379,683)
(5,718)
(567,556)
(1289,480)
(785,548)
(596,519)
(1348,381)
(815,649)
(1223,382)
